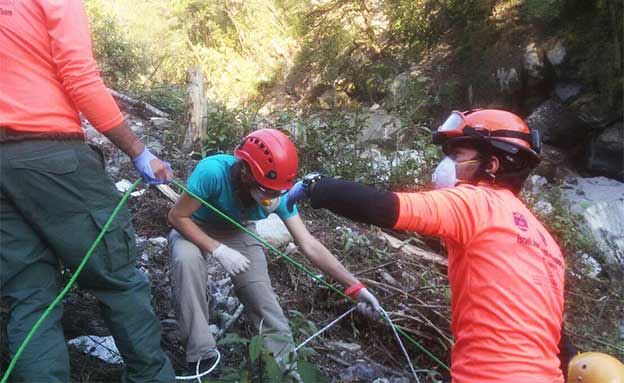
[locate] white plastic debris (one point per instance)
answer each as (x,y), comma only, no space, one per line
(103,348)
(123,185)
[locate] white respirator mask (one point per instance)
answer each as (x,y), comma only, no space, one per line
(445,174)
(268,204)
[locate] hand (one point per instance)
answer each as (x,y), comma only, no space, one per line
(296,193)
(233,261)
(369,306)
(153,170)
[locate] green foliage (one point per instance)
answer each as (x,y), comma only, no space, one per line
(121,59)
(567,227)
(226,127)
(310,373)
(546,10)
(261,366)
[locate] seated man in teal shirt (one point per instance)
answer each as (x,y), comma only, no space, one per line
(247,186)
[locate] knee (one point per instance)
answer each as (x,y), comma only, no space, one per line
(186,256)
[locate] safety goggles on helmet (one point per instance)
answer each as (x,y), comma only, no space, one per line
(270,192)
(457,125)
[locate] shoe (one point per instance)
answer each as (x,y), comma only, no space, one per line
(209,360)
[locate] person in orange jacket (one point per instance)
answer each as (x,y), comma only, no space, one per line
(55,196)
(505,270)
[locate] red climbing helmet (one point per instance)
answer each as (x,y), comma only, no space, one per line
(271,156)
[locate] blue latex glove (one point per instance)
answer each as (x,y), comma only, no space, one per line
(143,164)
(296,193)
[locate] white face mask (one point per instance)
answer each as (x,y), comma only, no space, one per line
(268,204)
(445,174)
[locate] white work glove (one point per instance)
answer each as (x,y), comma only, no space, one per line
(368,304)
(233,261)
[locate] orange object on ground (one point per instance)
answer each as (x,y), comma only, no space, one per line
(506,274)
(47,70)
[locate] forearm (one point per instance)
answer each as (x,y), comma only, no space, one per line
(192,232)
(125,139)
(322,258)
(356,201)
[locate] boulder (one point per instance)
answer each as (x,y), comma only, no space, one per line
(600,201)
(567,91)
(273,230)
(533,62)
(557,125)
(378,126)
(606,152)
(557,54)
(555,165)
(161,123)
(594,110)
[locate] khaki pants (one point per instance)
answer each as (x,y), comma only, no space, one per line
(253,288)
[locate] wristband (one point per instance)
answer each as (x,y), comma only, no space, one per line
(354,289)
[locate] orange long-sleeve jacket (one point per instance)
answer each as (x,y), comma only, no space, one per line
(505,271)
(47,70)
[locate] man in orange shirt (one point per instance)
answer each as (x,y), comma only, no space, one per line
(55,196)
(505,270)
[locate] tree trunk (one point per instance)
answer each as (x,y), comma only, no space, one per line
(196,102)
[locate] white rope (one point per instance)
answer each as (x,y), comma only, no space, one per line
(326,327)
(199,375)
(390,323)
(409,360)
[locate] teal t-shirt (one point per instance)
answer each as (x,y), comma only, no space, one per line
(211,180)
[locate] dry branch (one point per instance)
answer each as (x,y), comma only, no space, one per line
(412,250)
(138,103)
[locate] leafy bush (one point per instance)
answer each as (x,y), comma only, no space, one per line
(122,60)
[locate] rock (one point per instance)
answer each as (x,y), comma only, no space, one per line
(592,109)
(378,126)
(555,165)
(374,107)
(600,201)
(606,152)
(382,165)
(161,123)
(348,347)
(567,91)
(543,207)
(160,242)
(507,79)
(273,230)
(557,125)
(389,279)
(533,63)
(557,54)
(360,372)
(536,183)
(103,348)
(593,267)
(585,192)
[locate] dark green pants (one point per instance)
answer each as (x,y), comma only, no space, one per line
(54,200)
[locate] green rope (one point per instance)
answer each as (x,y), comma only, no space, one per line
(304,269)
(69,284)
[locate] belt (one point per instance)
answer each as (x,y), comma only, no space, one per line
(11,135)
